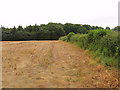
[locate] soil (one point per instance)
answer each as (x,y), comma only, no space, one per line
(52,64)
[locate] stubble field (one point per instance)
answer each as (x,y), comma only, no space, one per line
(52,64)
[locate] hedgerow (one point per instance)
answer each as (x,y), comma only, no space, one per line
(102,43)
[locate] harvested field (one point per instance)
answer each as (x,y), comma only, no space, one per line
(52,64)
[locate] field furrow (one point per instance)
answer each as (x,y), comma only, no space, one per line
(52,64)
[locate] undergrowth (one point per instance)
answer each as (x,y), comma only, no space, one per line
(103,44)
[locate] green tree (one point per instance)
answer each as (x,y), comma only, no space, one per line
(107,28)
(117,28)
(20,28)
(55,30)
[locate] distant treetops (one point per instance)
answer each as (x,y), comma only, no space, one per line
(50,31)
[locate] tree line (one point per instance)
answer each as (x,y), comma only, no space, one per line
(50,31)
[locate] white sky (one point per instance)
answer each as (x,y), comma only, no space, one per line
(25,12)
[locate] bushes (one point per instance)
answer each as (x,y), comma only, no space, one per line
(94,35)
(80,39)
(110,43)
(67,38)
(70,35)
(64,38)
(102,43)
(107,48)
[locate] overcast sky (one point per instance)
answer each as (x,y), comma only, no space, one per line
(25,12)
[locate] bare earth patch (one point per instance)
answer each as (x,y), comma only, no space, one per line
(52,64)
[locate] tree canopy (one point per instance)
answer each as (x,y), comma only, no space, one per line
(50,31)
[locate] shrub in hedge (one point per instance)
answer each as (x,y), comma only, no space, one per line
(103,43)
(63,38)
(94,35)
(109,44)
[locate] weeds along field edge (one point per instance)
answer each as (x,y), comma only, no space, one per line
(102,44)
